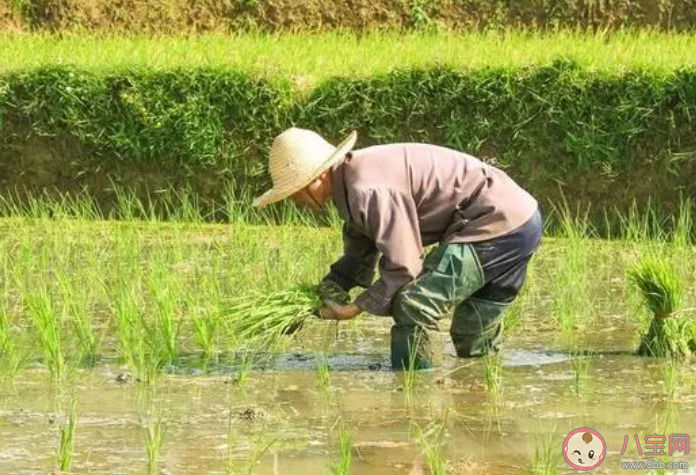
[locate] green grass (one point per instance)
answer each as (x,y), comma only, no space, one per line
(315,57)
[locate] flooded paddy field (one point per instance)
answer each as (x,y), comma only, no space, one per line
(84,394)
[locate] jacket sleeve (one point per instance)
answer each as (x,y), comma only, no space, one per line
(357,265)
(390,218)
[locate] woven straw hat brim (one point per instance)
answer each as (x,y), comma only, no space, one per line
(277,194)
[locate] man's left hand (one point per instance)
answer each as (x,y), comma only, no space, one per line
(336,311)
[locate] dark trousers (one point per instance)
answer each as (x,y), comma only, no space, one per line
(475,281)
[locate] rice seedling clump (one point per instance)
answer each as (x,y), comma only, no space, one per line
(670,332)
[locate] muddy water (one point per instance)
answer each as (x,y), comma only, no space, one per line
(211,422)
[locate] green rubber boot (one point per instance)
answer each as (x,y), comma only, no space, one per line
(451,274)
(410,349)
(477,327)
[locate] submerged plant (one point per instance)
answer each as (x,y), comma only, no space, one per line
(670,378)
(258,445)
(323,378)
(431,443)
(661,290)
(493,372)
(66,448)
(246,364)
(546,454)
(411,375)
(154,432)
(343,466)
(580,365)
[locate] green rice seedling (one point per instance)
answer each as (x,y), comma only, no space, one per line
(66,448)
(493,373)
(343,465)
(140,347)
(411,375)
(166,330)
(205,331)
(13,356)
(667,420)
(673,337)
(266,317)
(127,324)
(229,466)
(662,292)
(546,454)
(572,296)
(5,336)
(76,306)
(323,377)
(659,285)
(246,363)
(44,316)
(259,447)
(580,365)
(431,442)
(671,378)
(154,433)
(514,313)
(207,312)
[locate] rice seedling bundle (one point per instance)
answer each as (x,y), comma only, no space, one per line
(269,316)
(670,332)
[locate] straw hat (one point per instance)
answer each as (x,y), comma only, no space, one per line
(297,157)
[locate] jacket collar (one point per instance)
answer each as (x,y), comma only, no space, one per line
(340,191)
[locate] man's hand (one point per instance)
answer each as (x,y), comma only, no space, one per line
(329,290)
(336,311)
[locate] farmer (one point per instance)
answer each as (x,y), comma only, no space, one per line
(396,199)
